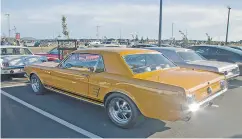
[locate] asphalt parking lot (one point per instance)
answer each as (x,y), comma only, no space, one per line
(24,114)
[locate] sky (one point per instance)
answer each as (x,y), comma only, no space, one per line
(41,19)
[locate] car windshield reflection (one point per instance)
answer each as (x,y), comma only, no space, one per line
(140,63)
(190,56)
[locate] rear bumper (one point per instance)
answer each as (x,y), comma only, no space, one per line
(12,71)
(232,76)
(187,114)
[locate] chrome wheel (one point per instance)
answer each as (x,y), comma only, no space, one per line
(120,110)
(35,83)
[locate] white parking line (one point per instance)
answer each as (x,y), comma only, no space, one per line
(63,122)
(13,85)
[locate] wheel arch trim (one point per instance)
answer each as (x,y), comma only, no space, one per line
(123,93)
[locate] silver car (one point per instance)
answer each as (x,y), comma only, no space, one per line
(14,58)
(190,59)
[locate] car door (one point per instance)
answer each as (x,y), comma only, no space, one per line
(73,74)
(99,81)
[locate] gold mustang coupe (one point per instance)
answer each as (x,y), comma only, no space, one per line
(129,83)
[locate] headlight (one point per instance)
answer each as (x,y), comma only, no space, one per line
(223,84)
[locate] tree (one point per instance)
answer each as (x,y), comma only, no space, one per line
(64,27)
(209,39)
(136,38)
(147,39)
(142,39)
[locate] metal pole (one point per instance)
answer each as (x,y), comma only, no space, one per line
(186,33)
(9,30)
(226,41)
(97,32)
(172,30)
(160,24)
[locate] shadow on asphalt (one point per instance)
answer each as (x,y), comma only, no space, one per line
(236,136)
(85,115)
(235,83)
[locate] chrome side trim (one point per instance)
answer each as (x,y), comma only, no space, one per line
(73,96)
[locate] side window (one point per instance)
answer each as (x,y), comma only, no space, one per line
(100,66)
(84,62)
(212,51)
(224,52)
(201,50)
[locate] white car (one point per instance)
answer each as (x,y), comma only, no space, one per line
(14,58)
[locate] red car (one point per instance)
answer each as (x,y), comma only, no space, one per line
(52,55)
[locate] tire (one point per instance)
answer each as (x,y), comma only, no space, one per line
(36,84)
(118,118)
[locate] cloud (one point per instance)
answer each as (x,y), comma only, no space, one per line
(82,17)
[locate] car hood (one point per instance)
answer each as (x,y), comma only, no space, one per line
(22,60)
(185,78)
(215,66)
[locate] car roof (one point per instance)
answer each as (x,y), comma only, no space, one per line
(11,46)
(117,50)
(222,47)
(169,48)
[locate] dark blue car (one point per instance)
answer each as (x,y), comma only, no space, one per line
(220,53)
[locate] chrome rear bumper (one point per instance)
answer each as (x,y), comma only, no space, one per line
(187,114)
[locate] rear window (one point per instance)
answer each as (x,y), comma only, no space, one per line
(140,63)
(190,56)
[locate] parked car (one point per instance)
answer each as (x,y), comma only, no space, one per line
(187,58)
(237,47)
(129,83)
(14,58)
(29,43)
(220,53)
(143,45)
(51,55)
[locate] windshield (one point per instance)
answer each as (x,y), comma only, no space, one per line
(190,56)
(15,51)
(140,63)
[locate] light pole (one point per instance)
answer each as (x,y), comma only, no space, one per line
(9,30)
(226,41)
(97,32)
(172,26)
(160,24)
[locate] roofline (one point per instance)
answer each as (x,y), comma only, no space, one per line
(171,48)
